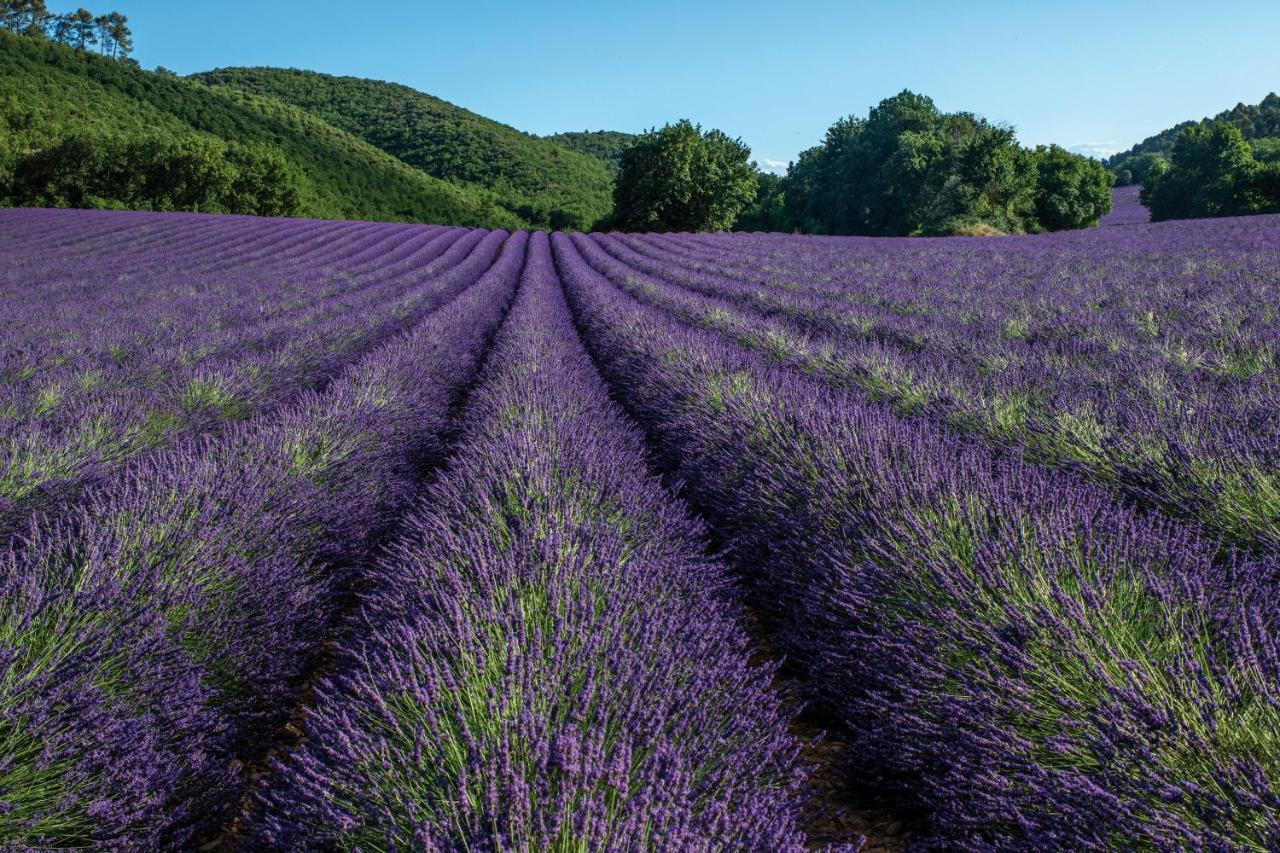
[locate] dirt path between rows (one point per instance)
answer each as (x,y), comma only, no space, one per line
(837,813)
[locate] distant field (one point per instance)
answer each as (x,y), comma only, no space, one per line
(381,536)
(1126,208)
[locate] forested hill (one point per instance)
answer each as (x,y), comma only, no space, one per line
(1259,121)
(50,92)
(546,183)
(606,145)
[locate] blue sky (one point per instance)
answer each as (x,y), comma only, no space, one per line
(1094,76)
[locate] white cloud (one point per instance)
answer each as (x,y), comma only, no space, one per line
(1096,149)
(778,167)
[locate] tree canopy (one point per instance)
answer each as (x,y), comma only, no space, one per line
(1212,171)
(148,173)
(680,178)
(604,145)
(81,29)
(548,185)
(909,168)
(1072,191)
(767,211)
(1256,123)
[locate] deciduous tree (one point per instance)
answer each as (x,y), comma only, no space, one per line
(1211,172)
(680,178)
(1073,192)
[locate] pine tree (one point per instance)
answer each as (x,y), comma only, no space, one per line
(102,28)
(121,35)
(83,29)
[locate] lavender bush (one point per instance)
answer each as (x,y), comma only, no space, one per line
(1008,506)
(1157,380)
(170,619)
(545,659)
(1031,661)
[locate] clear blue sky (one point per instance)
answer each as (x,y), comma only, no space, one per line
(1101,74)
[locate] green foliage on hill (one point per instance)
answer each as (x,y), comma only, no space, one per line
(546,183)
(50,92)
(1256,122)
(146,173)
(605,145)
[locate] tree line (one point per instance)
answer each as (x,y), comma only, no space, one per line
(1212,170)
(137,172)
(547,186)
(1228,165)
(80,29)
(1257,122)
(909,168)
(906,169)
(680,178)
(85,166)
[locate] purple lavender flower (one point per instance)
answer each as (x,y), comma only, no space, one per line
(545,657)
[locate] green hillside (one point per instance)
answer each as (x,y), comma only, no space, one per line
(1259,121)
(546,183)
(48,91)
(606,145)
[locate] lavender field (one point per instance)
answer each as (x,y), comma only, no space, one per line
(346,535)
(1126,208)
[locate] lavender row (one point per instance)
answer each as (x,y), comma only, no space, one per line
(1097,288)
(261,316)
(1099,285)
(205,242)
(1182,438)
(1097,307)
(133,328)
(152,640)
(546,658)
(142,271)
(1029,661)
(126,330)
(125,352)
(1126,208)
(77,439)
(1099,292)
(93,309)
